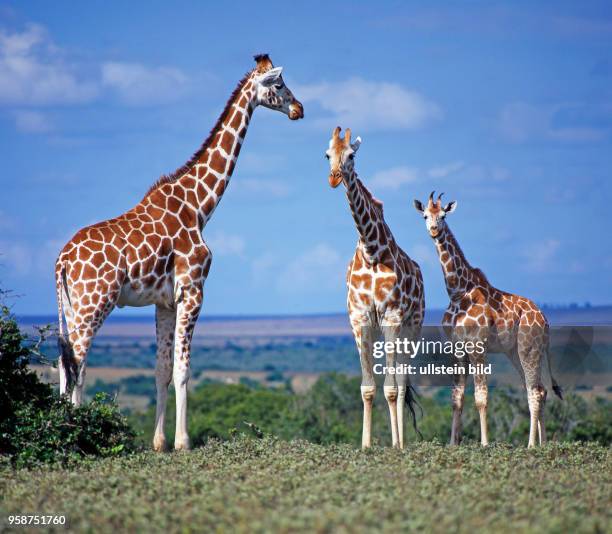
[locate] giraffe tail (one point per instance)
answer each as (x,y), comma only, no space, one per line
(411,402)
(555,385)
(66,362)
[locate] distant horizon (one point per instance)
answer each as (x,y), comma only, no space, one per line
(130,316)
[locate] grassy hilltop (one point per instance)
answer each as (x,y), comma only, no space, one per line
(250,485)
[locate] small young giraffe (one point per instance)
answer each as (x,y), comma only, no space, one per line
(503,322)
(385,289)
(155,253)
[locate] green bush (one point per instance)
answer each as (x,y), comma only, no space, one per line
(331,412)
(36,425)
(64,433)
(218,410)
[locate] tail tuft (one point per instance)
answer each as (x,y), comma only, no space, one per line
(411,401)
(67,364)
(555,385)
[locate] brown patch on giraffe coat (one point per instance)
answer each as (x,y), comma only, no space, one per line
(210,181)
(236,122)
(231,166)
(173,204)
(188,182)
(220,188)
(188,216)
(364,281)
(209,205)
(89,271)
(478,296)
(172,224)
(227,142)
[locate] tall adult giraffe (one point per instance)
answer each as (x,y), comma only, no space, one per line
(501,321)
(385,290)
(155,253)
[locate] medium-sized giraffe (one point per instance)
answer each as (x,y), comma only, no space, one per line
(155,253)
(500,321)
(385,290)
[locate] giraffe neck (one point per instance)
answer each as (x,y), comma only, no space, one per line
(455,267)
(374,236)
(210,172)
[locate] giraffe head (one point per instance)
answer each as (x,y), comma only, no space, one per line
(341,154)
(271,91)
(434,214)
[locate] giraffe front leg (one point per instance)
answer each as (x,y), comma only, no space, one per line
(535,398)
(481,392)
(165,323)
(391,388)
(188,310)
(541,426)
(457,397)
(364,340)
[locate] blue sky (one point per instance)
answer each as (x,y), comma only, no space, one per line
(505,107)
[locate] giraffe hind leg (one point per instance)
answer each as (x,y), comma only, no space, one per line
(536,393)
(165,323)
(82,327)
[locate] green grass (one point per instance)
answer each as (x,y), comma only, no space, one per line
(270,485)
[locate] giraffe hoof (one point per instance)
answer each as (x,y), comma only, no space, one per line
(159,444)
(182,444)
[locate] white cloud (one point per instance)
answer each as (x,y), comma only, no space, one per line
(27,121)
(483,174)
(33,72)
(424,254)
(319,268)
(394,178)
(223,244)
(519,122)
(36,72)
(137,84)
(442,171)
(367,105)
(540,256)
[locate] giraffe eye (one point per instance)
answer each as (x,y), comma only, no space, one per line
(326,156)
(351,156)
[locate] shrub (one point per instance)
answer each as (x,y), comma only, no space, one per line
(36,425)
(331,412)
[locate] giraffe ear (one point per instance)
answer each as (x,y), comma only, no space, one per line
(355,146)
(450,207)
(418,205)
(269,78)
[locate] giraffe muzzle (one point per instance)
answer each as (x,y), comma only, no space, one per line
(296,111)
(335,178)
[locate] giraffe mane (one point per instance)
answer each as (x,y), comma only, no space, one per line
(183,169)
